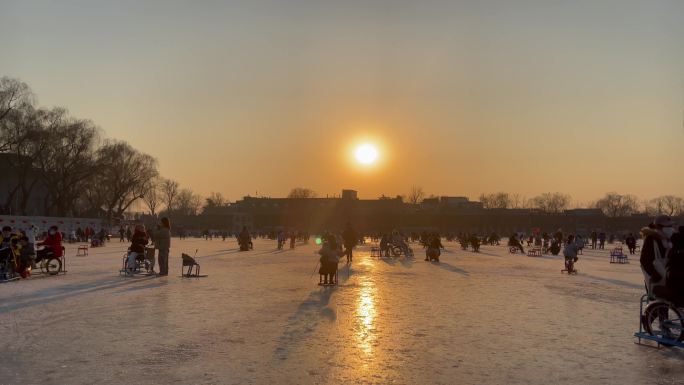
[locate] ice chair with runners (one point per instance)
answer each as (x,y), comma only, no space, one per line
(569,266)
(193,268)
(322,281)
(617,256)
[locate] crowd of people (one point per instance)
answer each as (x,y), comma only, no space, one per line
(662,249)
(22,249)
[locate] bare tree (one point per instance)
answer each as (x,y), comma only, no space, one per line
(301,192)
(13,94)
(666,204)
(500,200)
(169,193)
(213,201)
(552,203)
(25,128)
(152,195)
(66,161)
(127,177)
(188,203)
(516,201)
(617,205)
(415,195)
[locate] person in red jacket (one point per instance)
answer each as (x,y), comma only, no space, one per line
(52,243)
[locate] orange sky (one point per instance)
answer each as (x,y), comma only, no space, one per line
(581,97)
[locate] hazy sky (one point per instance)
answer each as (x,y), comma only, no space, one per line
(462,97)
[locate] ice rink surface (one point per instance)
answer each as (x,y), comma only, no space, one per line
(260,318)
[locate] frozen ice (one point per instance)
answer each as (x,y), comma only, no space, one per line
(260,318)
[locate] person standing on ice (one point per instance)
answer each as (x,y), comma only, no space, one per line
(602,240)
(631,243)
(675,268)
(162,242)
(244,239)
(281,239)
(293,238)
(579,242)
(654,254)
(350,240)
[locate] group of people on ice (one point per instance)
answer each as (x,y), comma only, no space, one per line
(160,237)
(334,247)
(20,252)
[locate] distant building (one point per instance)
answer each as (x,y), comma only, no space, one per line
(444,214)
(11,202)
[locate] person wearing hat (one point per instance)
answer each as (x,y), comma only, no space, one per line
(654,254)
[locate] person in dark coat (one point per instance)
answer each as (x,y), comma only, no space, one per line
(675,268)
(330,257)
(350,241)
(630,241)
(162,242)
(245,239)
(434,249)
(654,254)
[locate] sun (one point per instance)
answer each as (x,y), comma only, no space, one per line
(366,154)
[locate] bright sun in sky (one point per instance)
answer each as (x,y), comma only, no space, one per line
(366,153)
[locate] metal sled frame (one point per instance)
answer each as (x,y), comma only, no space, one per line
(659,340)
(320,279)
(191,264)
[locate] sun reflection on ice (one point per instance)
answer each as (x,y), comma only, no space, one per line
(365,316)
